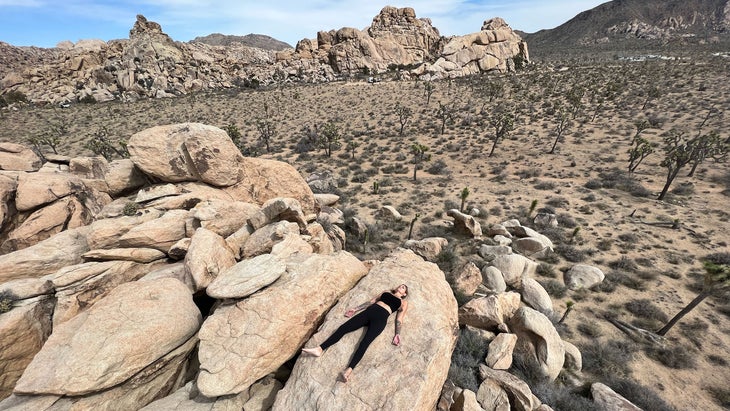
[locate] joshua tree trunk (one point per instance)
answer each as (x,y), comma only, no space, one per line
(670,177)
(701,296)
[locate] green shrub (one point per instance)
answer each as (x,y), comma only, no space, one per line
(6,301)
(470,351)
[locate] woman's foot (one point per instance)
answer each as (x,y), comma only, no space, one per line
(312,352)
(345,375)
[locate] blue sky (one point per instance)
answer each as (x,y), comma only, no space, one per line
(46,22)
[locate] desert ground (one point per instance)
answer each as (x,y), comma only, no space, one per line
(650,250)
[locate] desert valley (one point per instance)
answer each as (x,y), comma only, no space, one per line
(552,200)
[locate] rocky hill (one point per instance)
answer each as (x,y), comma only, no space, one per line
(151,64)
(260,41)
(640,23)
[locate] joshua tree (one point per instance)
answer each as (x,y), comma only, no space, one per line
(575,99)
(404,115)
(640,125)
(717,278)
(651,93)
(351,146)
(267,131)
(428,89)
(413,222)
(445,113)
(463,196)
(331,135)
(638,152)
(563,123)
(503,122)
(99,143)
(420,154)
(707,145)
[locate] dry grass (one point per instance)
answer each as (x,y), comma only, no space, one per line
(583,182)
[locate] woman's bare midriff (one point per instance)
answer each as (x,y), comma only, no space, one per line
(384,305)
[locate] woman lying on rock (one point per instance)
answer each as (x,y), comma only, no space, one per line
(374,317)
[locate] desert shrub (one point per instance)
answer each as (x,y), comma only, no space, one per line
(717,360)
(529,173)
(555,288)
(721,395)
(566,220)
(559,397)
(641,396)
(558,202)
(589,329)
(544,185)
(630,238)
(627,280)
(593,184)
(684,189)
(6,301)
(723,179)
(676,357)
(446,259)
(438,167)
(130,208)
(604,244)
(528,372)
(13,96)
(644,308)
(624,263)
(470,351)
(570,253)
(546,270)
(621,180)
(609,358)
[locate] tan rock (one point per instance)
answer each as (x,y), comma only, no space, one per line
(189,195)
(493,279)
(247,277)
(123,176)
(16,157)
(106,233)
(78,287)
(263,393)
(535,296)
(516,389)
(583,276)
(607,399)
(429,330)
(467,401)
(23,331)
(488,312)
(188,398)
(65,248)
(235,341)
(467,278)
(573,357)
(186,152)
(389,213)
(160,233)
(465,223)
(175,270)
(224,217)
(278,209)
(492,396)
(262,240)
(134,326)
(428,248)
(154,192)
(264,179)
(88,167)
(7,191)
(36,189)
(237,240)
(538,343)
(290,245)
(63,214)
(207,256)
(326,199)
(514,268)
(138,255)
(499,356)
(179,250)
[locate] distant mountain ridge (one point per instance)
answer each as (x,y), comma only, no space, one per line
(251,40)
(620,21)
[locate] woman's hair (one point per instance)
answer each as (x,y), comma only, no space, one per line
(396,288)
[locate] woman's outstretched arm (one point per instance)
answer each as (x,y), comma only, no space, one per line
(399,321)
(352,311)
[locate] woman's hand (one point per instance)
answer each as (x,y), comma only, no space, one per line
(349,313)
(396,340)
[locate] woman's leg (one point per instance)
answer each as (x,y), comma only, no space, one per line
(358,321)
(376,326)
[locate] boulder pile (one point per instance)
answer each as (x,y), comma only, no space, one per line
(151,65)
(190,277)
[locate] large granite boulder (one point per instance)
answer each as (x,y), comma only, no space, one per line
(490,311)
(538,343)
(186,152)
(122,334)
(420,363)
(16,157)
(236,340)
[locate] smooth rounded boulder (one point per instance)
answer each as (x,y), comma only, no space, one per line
(389,377)
(132,327)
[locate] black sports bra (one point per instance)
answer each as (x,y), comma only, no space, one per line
(392,301)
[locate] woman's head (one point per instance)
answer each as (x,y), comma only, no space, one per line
(402,289)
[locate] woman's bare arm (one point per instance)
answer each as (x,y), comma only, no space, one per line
(362,306)
(399,321)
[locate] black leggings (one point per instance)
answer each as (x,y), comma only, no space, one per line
(374,317)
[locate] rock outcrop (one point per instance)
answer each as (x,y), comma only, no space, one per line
(151,65)
(429,330)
